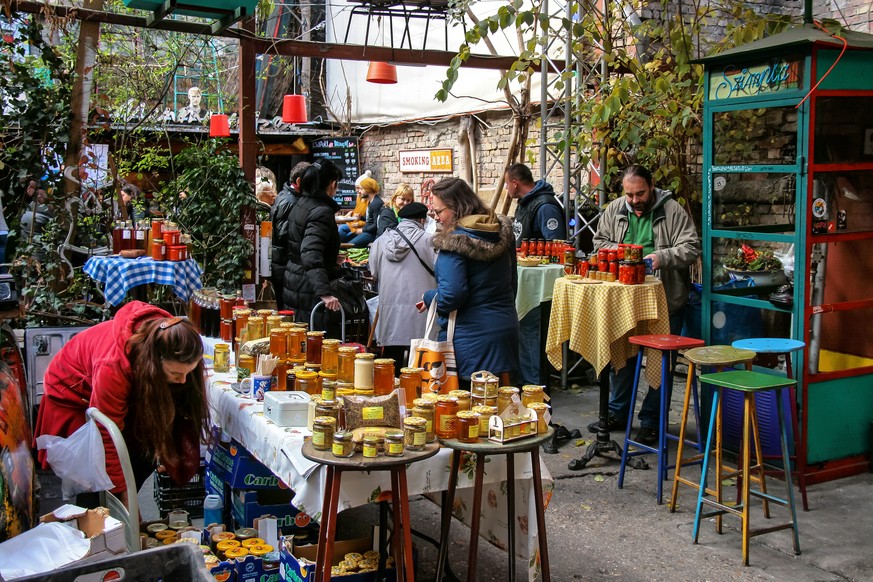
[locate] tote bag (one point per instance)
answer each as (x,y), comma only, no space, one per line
(439,371)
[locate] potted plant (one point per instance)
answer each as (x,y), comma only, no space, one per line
(761,266)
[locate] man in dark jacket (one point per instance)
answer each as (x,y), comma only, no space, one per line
(538,214)
(279,212)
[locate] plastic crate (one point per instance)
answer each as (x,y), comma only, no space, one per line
(164,563)
(190,496)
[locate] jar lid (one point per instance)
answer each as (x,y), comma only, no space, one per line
(227,544)
(236,552)
(414,421)
(266,312)
(507,390)
(252,540)
(222,536)
(372,439)
(324,420)
(329,403)
(315,333)
(327,375)
(222,346)
(446,398)
(410,370)
(532,388)
(342,436)
(277,330)
(460,394)
(159,241)
(394,434)
(365,356)
(384,361)
(538,406)
(273,317)
(422,403)
(245,357)
(485,409)
(468,414)
(306,374)
(348,349)
(330,342)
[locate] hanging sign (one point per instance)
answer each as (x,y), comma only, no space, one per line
(734,82)
(431,160)
(343,152)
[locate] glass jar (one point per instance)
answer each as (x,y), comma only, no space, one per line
(254,328)
(323,428)
(541,409)
(327,408)
(346,364)
(446,417)
(344,388)
(272,322)
(245,367)
(297,344)
(371,446)
(468,426)
(410,383)
(464,398)
(423,408)
(342,444)
(383,376)
(279,343)
(394,443)
(221,359)
(328,389)
(485,413)
(505,396)
(414,433)
(532,393)
(314,340)
(364,368)
(329,353)
(280,373)
(306,381)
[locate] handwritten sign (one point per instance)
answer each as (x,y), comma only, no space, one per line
(431,160)
(734,82)
(343,152)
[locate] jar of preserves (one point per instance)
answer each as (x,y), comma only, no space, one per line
(279,343)
(464,398)
(446,416)
(306,381)
(272,322)
(329,353)
(532,393)
(245,367)
(468,426)
(254,328)
(613,268)
(371,446)
(314,340)
(159,250)
(394,443)
(260,550)
(410,383)
(383,376)
(542,410)
(223,546)
(327,408)
(221,358)
(414,433)
(505,397)
(328,389)
(485,413)
(342,444)
(424,408)
(364,369)
(323,428)
(344,388)
(297,344)
(236,553)
(592,261)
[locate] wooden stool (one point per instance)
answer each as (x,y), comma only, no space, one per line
(482,449)
(719,357)
(402,530)
(749,383)
(786,347)
(667,344)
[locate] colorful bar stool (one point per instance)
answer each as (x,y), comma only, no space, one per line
(749,383)
(667,344)
(785,347)
(718,357)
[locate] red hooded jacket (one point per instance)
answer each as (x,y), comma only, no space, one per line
(92,369)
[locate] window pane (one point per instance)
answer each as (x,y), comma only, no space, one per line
(755,136)
(843,130)
(740,264)
(754,200)
(842,202)
(846,342)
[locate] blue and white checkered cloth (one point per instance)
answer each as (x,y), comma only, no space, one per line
(119,275)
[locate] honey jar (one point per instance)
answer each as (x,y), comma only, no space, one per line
(410,383)
(371,446)
(279,342)
(343,446)
(306,381)
(254,328)
(532,393)
(383,376)
(485,414)
(414,433)
(346,364)
(323,428)
(245,367)
(314,339)
(542,410)
(297,344)
(425,409)
(221,358)
(464,398)
(445,417)
(329,356)
(394,443)
(468,426)
(505,397)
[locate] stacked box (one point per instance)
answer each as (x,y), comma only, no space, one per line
(169,496)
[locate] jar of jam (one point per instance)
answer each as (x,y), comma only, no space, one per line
(371,446)
(410,383)
(541,409)
(245,366)
(424,408)
(260,550)
(297,344)
(485,413)
(323,428)
(364,370)
(532,393)
(446,417)
(159,250)
(464,398)
(314,340)
(505,397)
(603,266)
(602,255)
(306,381)
(346,364)
(383,376)
(414,433)
(329,356)
(394,443)
(592,261)
(236,553)
(221,359)
(612,255)
(613,268)
(342,444)
(279,343)
(468,426)
(224,546)
(327,408)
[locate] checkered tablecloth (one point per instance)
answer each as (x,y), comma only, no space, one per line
(598,319)
(119,275)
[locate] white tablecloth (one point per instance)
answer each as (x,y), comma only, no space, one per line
(279,449)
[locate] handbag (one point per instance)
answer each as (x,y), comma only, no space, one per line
(439,369)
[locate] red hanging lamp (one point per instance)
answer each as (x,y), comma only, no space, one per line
(382,73)
(294,109)
(218,125)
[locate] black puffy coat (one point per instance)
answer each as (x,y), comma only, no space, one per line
(279,214)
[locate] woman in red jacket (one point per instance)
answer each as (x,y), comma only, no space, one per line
(144,370)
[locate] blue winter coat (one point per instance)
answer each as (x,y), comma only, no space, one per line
(476,275)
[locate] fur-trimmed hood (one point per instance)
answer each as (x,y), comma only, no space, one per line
(480,237)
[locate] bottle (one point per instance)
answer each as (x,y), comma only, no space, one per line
(212,510)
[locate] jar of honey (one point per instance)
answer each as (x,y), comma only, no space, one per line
(394,443)
(329,356)
(532,393)
(255,328)
(279,342)
(364,371)
(314,340)
(464,398)
(383,376)
(280,373)
(370,448)
(343,445)
(306,381)
(446,417)
(327,408)
(541,409)
(323,428)
(245,366)
(505,397)
(414,433)
(485,413)
(468,426)
(346,364)
(410,383)
(423,408)
(221,358)
(328,389)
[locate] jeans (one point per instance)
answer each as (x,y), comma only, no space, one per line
(345,233)
(623,382)
(529,346)
(362,240)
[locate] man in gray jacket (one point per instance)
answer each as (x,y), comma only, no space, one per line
(649,217)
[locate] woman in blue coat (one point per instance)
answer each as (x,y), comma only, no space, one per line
(476,275)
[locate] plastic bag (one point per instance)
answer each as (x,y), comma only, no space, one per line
(79,460)
(787,258)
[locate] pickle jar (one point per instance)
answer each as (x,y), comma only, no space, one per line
(364,368)
(464,398)
(485,413)
(346,364)
(446,417)
(327,408)
(221,358)
(323,428)
(504,397)
(314,340)
(297,344)
(394,443)
(329,352)
(342,444)
(245,367)
(410,383)
(306,381)
(279,343)
(383,376)
(532,393)
(541,409)
(414,433)
(468,426)
(370,448)
(424,408)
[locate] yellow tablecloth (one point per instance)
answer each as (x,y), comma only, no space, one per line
(535,286)
(597,319)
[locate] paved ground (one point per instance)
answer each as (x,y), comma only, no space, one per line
(599,532)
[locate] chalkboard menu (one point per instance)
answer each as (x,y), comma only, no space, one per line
(343,152)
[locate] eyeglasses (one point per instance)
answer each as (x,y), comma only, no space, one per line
(440,211)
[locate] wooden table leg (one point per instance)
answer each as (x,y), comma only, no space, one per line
(397,535)
(541,514)
(447,515)
(474,523)
(510,498)
(331,527)
(323,526)
(406,524)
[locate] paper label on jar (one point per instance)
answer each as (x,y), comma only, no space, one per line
(318,439)
(447,422)
(419,438)
(395,448)
(473,432)
(370,451)
(337,449)
(373,413)
(428,426)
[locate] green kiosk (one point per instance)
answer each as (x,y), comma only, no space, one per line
(788,200)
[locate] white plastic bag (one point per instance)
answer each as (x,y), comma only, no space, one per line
(787,258)
(79,460)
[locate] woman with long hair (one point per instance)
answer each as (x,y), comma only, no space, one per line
(144,370)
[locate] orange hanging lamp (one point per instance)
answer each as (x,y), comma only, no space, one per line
(218,126)
(382,73)
(294,109)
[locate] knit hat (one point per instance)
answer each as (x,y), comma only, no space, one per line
(414,210)
(362,177)
(369,184)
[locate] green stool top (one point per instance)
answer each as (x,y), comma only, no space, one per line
(747,381)
(719,356)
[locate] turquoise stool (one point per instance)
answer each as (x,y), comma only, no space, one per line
(667,344)
(786,347)
(749,383)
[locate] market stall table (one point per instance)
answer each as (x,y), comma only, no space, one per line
(119,275)
(532,303)
(280,449)
(597,319)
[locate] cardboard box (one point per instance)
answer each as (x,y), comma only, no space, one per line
(293,570)
(105,533)
(248,505)
(234,465)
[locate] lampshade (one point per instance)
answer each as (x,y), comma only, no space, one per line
(294,109)
(218,126)
(382,73)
